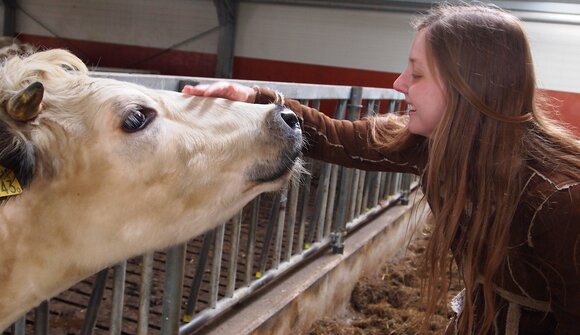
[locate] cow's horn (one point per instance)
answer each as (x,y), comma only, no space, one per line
(25,105)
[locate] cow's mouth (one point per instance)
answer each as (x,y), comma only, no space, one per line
(283,169)
(269,171)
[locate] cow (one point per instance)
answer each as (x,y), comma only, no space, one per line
(95,171)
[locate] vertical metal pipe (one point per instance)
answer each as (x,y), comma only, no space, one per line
(227,12)
(208,239)
(386,185)
(370,178)
(392,106)
(344,196)
(252,240)
(234,251)
(353,195)
(321,205)
(354,111)
(330,214)
(360,193)
(280,229)
(145,293)
(304,211)
(174,269)
(292,207)
(376,192)
(10,17)
(216,265)
(303,242)
(41,319)
(405,188)
(118,294)
(19,327)
(272,220)
(319,208)
(95,302)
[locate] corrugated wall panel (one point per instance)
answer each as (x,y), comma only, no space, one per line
(147,23)
(366,40)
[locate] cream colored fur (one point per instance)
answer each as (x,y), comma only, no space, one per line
(101,195)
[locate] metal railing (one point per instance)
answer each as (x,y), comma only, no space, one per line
(272,235)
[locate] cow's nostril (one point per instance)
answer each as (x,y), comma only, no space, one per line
(290,118)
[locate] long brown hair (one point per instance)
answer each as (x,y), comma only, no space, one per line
(494,126)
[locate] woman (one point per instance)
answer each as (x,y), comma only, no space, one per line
(502,180)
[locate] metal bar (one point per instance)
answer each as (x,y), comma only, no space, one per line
(331,199)
(321,205)
(292,207)
(94,302)
(227,13)
(234,251)
(174,269)
(318,209)
(41,319)
(354,111)
(280,229)
(10,7)
(251,246)
(338,231)
(117,301)
(273,219)
(370,178)
(376,189)
(206,315)
(290,90)
(145,294)
(354,194)
(405,189)
(340,113)
(360,193)
(208,239)
(304,210)
(19,327)
(216,265)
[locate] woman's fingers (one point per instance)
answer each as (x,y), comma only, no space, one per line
(195,90)
(222,89)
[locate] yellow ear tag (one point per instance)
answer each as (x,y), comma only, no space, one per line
(9,184)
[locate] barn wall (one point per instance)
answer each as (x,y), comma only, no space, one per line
(274,42)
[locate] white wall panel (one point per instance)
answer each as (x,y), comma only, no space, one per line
(369,40)
(149,23)
(335,37)
(556,53)
(380,41)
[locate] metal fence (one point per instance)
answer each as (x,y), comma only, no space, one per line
(179,290)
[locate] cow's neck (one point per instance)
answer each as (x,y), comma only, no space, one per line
(36,261)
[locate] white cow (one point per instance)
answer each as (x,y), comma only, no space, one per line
(108,170)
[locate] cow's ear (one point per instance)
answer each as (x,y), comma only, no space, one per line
(17,154)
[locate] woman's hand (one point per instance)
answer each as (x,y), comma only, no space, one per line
(222,89)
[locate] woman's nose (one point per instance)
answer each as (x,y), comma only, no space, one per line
(399,84)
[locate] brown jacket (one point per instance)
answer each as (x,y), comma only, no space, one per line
(538,291)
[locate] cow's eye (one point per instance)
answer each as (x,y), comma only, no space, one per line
(137,118)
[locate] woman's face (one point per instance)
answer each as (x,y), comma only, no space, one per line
(423,90)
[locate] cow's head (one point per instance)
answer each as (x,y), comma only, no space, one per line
(111,169)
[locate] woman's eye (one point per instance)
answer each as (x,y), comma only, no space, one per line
(415,76)
(137,119)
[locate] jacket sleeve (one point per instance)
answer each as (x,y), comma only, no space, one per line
(556,241)
(347,143)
